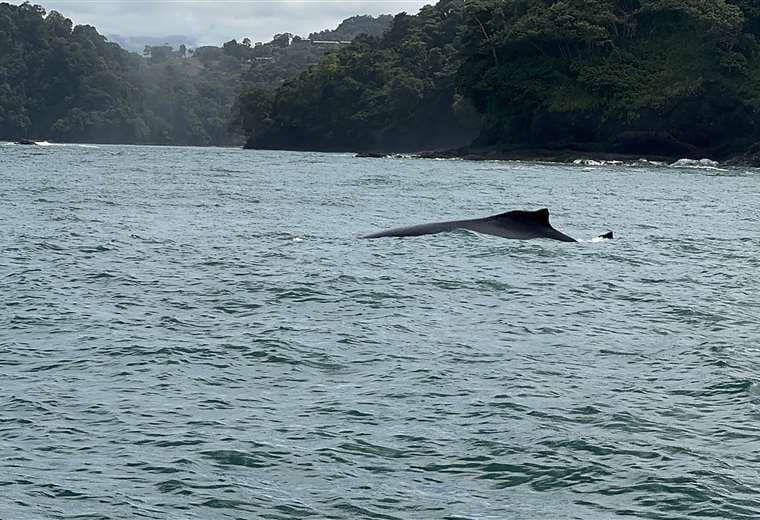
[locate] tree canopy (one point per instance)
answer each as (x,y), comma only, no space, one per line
(396,91)
(666,77)
(650,76)
(69,83)
(669,77)
(352,27)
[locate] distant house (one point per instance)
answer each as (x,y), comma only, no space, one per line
(333,43)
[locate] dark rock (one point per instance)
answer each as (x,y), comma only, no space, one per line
(658,143)
(750,158)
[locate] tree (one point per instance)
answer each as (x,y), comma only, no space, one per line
(252,111)
(396,91)
(281,40)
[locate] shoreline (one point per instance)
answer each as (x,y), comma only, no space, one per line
(541,155)
(578,156)
(569,156)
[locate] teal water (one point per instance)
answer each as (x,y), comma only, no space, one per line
(198,333)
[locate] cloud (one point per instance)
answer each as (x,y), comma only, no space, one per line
(213,22)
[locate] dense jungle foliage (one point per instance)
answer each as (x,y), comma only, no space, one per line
(67,83)
(352,27)
(662,77)
(396,92)
(667,77)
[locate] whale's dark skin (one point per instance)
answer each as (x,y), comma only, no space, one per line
(520,225)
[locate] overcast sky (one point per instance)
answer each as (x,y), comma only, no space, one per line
(214,22)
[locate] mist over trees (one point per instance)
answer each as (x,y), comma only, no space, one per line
(665,77)
(58,78)
(69,83)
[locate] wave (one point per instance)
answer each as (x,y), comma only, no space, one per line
(593,240)
(48,143)
(613,162)
(705,164)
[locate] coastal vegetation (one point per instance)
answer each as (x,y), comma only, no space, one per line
(64,82)
(649,77)
(660,77)
(394,92)
(69,83)
(668,77)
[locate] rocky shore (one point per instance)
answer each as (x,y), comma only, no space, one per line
(750,159)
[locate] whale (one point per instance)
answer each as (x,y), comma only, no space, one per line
(517,224)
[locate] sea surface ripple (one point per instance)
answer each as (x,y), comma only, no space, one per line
(198,333)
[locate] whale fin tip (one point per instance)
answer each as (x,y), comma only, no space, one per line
(541,215)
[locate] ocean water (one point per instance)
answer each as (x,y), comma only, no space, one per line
(193,333)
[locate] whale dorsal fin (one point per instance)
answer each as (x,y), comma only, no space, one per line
(540,216)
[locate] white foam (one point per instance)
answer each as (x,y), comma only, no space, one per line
(593,240)
(614,162)
(647,162)
(708,164)
(588,162)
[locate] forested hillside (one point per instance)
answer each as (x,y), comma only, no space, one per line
(63,79)
(662,77)
(666,77)
(672,77)
(352,27)
(396,92)
(67,83)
